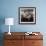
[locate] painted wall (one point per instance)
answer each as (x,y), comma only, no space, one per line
(9,8)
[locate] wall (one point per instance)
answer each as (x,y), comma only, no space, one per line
(9,8)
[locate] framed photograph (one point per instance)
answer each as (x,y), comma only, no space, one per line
(27,15)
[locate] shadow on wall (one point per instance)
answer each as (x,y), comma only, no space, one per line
(2,21)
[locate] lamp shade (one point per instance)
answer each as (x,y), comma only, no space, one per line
(9,21)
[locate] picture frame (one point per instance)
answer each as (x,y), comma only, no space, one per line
(27,15)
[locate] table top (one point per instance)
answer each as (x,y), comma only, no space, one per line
(22,35)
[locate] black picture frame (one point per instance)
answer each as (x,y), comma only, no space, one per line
(27,15)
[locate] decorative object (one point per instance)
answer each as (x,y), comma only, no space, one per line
(9,21)
(27,15)
(31,33)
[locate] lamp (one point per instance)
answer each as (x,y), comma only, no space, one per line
(9,21)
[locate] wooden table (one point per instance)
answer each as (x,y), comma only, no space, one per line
(20,39)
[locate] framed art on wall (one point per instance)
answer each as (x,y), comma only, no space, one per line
(27,15)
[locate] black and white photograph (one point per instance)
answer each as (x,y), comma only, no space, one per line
(27,15)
